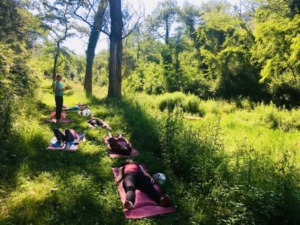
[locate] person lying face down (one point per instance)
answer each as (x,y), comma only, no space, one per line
(67,136)
(135,177)
(119,144)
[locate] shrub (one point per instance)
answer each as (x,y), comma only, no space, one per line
(189,103)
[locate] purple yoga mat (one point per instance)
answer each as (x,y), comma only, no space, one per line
(144,206)
(74,147)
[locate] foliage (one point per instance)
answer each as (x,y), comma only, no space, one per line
(148,80)
(16,77)
(164,16)
(215,173)
(276,52)
(189,103)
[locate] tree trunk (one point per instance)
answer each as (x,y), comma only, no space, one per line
(115,58)
(57,51)
(92,44)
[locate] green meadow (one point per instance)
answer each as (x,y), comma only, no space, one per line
(225,162)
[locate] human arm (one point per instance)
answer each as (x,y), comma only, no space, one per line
(54,87)
(66,88)
(146,174)
(76,136)
(119,178)
(110,142)
(57,87)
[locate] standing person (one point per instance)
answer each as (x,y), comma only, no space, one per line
(135,177)
(59,93)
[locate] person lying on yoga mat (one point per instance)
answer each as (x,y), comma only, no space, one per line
(96,122)
(85,112)
(82,106)
(69,136)
(135,177)
(119,144)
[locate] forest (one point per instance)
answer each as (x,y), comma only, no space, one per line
(209,95)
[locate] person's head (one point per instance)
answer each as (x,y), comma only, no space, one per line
(58,77)
(129,161)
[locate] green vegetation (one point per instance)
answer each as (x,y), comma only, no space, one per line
(236,164)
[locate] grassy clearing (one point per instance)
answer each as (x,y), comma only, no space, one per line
(230,166)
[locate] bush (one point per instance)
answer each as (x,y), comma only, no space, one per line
(286,92)
(189,103)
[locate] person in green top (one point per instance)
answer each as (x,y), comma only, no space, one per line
(59,93)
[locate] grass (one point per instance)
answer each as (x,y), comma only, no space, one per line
(230,166)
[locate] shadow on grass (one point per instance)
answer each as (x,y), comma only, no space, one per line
(80,195)
(85,192)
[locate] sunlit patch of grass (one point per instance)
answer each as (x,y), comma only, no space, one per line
(73,96)
(25,203)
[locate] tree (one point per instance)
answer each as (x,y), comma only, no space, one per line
(276,51)
(164,16)
(190,15)
(115,50)
(93,39)
(85,11)
(57,20)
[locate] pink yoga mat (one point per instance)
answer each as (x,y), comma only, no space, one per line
(144,206)
(74,147)
(133,152)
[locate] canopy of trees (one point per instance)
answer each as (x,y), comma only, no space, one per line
(214,50)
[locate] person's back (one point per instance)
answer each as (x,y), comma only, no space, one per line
(119,145)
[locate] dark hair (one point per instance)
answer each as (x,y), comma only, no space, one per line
(128,161)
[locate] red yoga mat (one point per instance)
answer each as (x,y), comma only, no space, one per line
(133,152)
(144,206)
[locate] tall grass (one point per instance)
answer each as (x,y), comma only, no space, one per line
(189,103)
(251,185)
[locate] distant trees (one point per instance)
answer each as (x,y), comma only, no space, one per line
(222,50)
(215,50)
(160,25)
(277,51)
